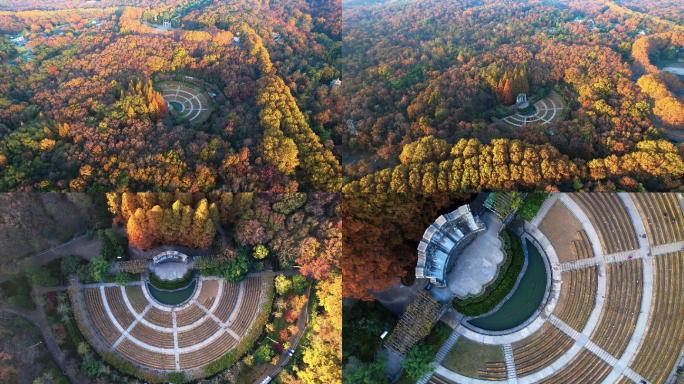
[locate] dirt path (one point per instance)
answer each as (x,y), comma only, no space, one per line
(38,318)
(86,246)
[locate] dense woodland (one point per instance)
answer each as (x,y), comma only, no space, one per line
(78,106)
(448,70)
(78,103)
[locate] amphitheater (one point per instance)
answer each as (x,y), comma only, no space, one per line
(187,100)
(615,313)
(127,320)
(547,110)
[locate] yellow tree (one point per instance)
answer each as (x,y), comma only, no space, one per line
(323,355)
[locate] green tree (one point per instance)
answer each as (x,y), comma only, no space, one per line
(98,268)
(418,362)
(113,246)
(122,278)
(236,269)
(371,373)
(70,265)
(299,283)
(40,276)
(91,367)
(264,353)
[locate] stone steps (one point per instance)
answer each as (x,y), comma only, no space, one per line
(441,354)
(510,363)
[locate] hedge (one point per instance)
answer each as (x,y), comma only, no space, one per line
(504,283)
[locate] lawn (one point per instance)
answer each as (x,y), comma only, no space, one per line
(467,357)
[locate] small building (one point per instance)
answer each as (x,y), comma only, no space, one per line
(521,101)
(236,40)
(352,127)
(335,83)
(443,240)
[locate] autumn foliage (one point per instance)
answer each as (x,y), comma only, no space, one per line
(152,220)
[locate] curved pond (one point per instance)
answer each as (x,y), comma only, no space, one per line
(172,297)
(525,300)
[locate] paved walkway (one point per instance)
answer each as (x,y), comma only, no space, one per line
(478,263)
(620,366)
(284,359)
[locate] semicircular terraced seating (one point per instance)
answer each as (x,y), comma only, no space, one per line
(577,297)
(663,341)
(624,288)
(493,370)
(610,219)
(662,216)
(539,350)
(625,337)
(188,101)
(584,368)
(212,323)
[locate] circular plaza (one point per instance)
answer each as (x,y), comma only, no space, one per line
(546,111)
(186,100)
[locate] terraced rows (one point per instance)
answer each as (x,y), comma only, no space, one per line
(610,219)
(493,371)
(621,306)
(540,349)
(665,335)
(662,216)
(582,246)
(584,368)
(577,297)
(203,339)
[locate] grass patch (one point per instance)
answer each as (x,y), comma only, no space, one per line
(504,283)
(467,357)
(530,206)
(17,292)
